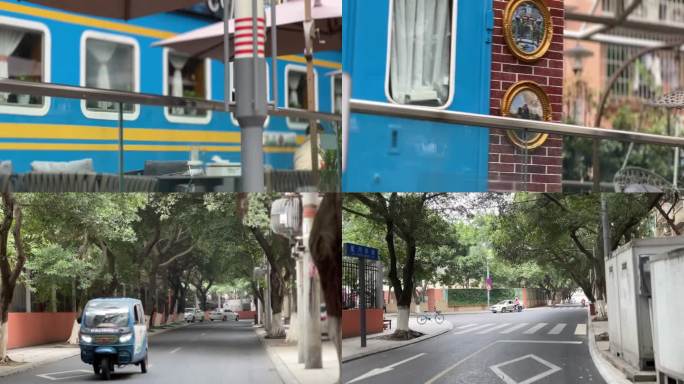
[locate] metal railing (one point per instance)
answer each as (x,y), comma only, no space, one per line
(76,92)
(350,284)
(277,180)
(509,124)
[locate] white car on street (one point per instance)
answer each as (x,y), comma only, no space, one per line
(193,314)
(503,306)
(223,315)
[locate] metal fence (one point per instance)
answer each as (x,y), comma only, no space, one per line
(350,283)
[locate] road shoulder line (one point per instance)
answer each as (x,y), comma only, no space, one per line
(393,347)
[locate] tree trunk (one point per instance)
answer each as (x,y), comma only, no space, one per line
(277,330)
(402,323)
(4,338)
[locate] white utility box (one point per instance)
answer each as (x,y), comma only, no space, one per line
(627,286)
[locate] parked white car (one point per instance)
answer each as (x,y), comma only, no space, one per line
(193,314)
(223,315)
(503,306)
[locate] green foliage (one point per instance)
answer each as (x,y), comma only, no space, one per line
(577,152)
(466,297)
(53,265)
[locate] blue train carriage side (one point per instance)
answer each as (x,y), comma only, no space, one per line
(52,46)
(449,72)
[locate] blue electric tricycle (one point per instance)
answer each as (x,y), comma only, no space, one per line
(113,333)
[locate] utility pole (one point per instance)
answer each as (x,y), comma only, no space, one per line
(250,89)
(309,32)
(311,314)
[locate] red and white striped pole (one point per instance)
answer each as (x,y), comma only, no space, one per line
(250,89)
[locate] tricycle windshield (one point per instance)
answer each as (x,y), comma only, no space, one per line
(106,315)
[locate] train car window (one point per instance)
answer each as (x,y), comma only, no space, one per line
(296,93)
(109,62)
(231,95)
(189,77)
(23,48)
(337,94)
(420,52)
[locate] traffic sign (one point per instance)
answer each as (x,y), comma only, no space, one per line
(360,251)
(489,283)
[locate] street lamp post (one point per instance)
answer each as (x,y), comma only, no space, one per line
(250,90)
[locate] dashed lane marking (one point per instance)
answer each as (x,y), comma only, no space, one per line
(513,328)
(535,328)
(65,375)
(473,329)
(467,326)
(493,328)
(581,330)
(557,329)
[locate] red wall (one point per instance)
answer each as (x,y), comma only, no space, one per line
(245,315)
(27,329)
(545,164)
(351,322)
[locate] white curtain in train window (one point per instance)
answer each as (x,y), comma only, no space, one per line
(420,52)
(177,62)
(102,51)
(294,78)
(9,41)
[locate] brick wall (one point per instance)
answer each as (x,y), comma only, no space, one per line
(506,161)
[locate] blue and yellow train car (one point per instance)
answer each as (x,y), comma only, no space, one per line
(46,45)
(436,55)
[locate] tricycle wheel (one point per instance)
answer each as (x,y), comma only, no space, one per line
(105,369)
(143,365)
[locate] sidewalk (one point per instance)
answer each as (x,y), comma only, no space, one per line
(28,358)
(612,368)
(351,347)
(284,356)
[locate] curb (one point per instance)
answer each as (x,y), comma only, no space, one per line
(609,373)
(29,366)
(77,351)
(284,373)
(413,341)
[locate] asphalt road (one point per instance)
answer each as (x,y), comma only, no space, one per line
(540,346)
(209,352)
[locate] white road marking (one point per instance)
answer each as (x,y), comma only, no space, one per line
(581,330)
(513,328)
(444,372)
(175,350)
(487,330)
(473,329)
(557,329)
(379,371)
(467,326)
(508,380)
(82,373)
(540,342)
(535,328)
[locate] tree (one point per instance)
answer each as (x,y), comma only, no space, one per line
(12,220)
(564,233)
(408,221)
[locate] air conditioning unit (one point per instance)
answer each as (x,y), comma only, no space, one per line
(286,217)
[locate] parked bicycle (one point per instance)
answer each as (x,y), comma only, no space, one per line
(425,317)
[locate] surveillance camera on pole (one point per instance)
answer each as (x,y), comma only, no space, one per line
(250,89)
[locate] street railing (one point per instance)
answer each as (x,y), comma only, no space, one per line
(627,167)
(124,132)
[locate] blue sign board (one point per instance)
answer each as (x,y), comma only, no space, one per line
(355,250)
